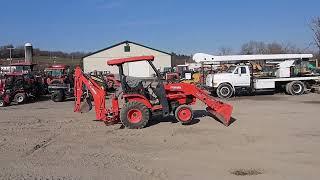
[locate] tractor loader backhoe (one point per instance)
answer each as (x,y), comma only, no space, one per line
(172,98)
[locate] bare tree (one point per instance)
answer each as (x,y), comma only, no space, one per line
(291,48)
(315,26)
(257,47)
(254,47)
(274,48)
(225,51)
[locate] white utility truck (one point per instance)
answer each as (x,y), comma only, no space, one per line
(239,77)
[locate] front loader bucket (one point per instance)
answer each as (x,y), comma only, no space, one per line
(223,113)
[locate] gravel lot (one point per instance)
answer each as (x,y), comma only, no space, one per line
(273,137)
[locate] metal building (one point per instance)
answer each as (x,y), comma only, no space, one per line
(98,60)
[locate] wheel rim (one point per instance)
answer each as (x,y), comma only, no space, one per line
(1,103)
(20,99)
(224,91)
(296,88)
(184,114)
(134,115)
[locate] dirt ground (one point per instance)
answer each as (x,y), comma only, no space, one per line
(273,137)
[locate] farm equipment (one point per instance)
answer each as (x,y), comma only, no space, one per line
(19,88)
(140,102)
(112,82)
(18,68)
(109,80)
(60,82)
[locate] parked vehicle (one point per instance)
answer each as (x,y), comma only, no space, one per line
(140,102)
(60,82)
(288,77)
(20,88)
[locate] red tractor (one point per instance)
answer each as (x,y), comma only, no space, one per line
(141,102)
(112,82)
(19,87)
(60,82)
(107,78)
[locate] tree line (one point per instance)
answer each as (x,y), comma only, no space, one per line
(259,47)
(18,52)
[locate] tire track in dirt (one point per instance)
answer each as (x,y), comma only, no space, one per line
(42,144)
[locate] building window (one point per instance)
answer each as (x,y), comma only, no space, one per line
(127,48)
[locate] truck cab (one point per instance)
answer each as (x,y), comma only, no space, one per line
(237,76)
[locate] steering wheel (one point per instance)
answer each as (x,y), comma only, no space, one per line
(150,84)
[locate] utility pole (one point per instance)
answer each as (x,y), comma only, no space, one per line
(10,49)
(72,59)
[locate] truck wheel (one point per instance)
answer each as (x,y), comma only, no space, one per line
(296,88)
(134,115)
(184,114)
(224,91)
(57,96)
(288,89)
(20,98)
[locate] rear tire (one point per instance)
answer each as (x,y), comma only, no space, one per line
(296,88)
(57,96)
(134,115)
(20,98)
(288,91)
(184,114)
(224,91)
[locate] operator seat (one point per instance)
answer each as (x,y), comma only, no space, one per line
(132,85)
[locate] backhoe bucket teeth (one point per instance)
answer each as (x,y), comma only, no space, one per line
(86,105)
(222,113)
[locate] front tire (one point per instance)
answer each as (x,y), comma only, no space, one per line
(57,96)
(20,98)
(184,114)
(134,115)
(224,91)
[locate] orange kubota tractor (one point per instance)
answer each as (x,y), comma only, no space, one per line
(140,102)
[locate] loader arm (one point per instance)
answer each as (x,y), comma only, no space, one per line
(97,92)
(219,109)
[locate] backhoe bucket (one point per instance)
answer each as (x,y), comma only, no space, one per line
(223,113)
(86,105)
